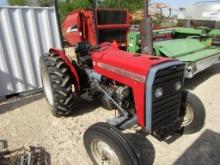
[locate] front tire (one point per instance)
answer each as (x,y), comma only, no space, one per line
(107,145)
(194,113)
(57,84)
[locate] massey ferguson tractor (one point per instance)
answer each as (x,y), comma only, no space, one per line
(147,91)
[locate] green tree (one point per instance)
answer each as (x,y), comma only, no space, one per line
(46,3)
(18,2)
(129,4)
(66,7)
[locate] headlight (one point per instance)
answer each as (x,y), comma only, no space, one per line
(178,85)
(159,92)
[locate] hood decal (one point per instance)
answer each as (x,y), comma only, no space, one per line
(123,72)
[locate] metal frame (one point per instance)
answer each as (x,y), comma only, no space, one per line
(196,67)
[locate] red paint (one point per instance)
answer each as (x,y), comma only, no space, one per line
(70,65)
(118,26)
(84,19)
(140,65)
(89,27)
(86,30)
(71,28)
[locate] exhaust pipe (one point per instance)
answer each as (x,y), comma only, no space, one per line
(94,7)
(59,23)
(146,31)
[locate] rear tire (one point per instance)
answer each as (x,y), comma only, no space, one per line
(194,113)
(57,84)
(106,144)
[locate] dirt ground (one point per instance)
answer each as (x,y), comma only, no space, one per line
(28,121)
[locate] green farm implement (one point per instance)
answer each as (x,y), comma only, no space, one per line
(198,48)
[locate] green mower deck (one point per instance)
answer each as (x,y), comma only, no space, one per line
(192,46)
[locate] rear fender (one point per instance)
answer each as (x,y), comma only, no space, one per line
(72,68)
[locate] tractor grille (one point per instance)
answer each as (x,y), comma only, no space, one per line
(106,17)
(165,110)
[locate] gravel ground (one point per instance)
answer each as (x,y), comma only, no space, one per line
(28,121)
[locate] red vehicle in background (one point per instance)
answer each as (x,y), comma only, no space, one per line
(96,26)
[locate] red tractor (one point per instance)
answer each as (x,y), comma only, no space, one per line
(146,90)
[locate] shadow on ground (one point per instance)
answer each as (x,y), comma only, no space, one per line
(14,103)
(82,107)
(205,150)
(201,77)
(143,147)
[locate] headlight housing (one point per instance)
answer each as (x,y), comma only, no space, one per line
(178,85)
(158,92)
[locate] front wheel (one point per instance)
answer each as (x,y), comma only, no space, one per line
(107,145)
(193,113)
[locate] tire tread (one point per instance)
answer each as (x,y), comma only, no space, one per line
(61,83)
(114,135)
(199,113)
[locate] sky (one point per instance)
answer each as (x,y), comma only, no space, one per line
(3,2)
(177,3)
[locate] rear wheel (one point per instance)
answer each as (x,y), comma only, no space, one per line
(57,84)
(106,145)
(194,113)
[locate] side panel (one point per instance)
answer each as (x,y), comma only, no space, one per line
(129,70)
(121,76)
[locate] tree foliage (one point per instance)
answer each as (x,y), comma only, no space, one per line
(46,3)
(18,2)
(67,7)
(129,4)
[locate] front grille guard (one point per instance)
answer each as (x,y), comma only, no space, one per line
(149,101)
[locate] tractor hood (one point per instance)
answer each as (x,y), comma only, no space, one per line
(117,64)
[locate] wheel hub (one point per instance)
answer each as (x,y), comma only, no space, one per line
(104,154)
(188,117)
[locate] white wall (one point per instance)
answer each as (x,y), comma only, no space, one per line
(25,34)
